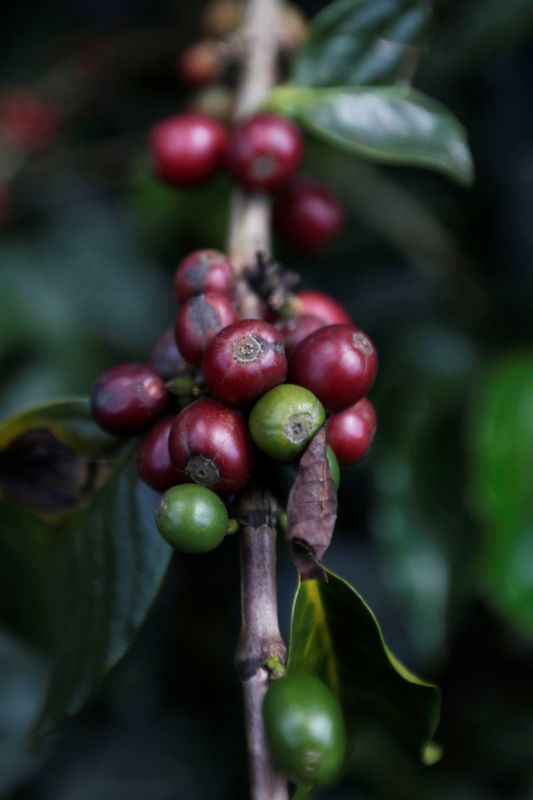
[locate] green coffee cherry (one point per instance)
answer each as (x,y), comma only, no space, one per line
(284,421)
(333,465)
(304,728)
(191,518)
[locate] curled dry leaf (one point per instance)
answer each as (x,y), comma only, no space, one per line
(312,510)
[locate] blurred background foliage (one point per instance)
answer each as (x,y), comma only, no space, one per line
(436,526)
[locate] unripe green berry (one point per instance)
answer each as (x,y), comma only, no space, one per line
(304,728)
(284,421)
(191,518)
(334,467)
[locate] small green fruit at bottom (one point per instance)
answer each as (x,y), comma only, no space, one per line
(304,728)
(284,421)
(191,518)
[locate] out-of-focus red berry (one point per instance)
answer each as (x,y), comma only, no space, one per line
(296,329)
(307,215)
(350,432)
(187,148)
(27,122)
(203,271)
(320,305)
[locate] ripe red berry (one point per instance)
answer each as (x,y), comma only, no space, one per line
(244,360)
(307,215)
(209,444)
(200,319)
(321,305)
(264,151)
(166,359)
(187,148)
(27,122)
(153,459)
(203,271)
(337,363)
(296,329)
(350,432)
(128,398)
(200,64)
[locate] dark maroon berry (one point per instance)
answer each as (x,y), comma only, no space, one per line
(244,360)
(307,215)
(264,151)
(187,148)
(153,459)
(350,432)
(128,398)
(203,271)
(337,363)
(200,319)
(321,305)
(296,329)
(166,359)
(210,445)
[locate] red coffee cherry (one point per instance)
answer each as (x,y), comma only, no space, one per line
(350,433)
(166,359)
(337,363)
(210,445)
(264,151)
(200,64)
(187,148)
(203,271)
(153,459)
(307,215)
(321,305)
(296,329)
(244,360)
(200,319)
(27,122)
(128,398)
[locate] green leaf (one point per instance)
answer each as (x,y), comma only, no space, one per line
(501,444)
(361,42)
(392,125)
(79,583)
(335,636)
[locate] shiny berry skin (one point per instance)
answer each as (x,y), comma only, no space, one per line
(304,728)
(166,359)
(203,271)
(209,444)
(127,399)
(284,421)
(337,363)
(321,305)
(307,215)
(243,361)
(153,459)
(350,432)
(187,148)
(191,519)
(199,321)
(296,329)
(264,152)
(200,64)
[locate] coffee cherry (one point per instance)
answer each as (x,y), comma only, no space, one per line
(307,215)
(27,122)
(203,271)
(243,361)
(304,728)
(200,319)
(128,398)
(337,363)
(166,359)
(334,467)
(296,329)
(153,459)
(284,421)
(322,306)
(187,148)
(200,64)
(191,519)
(264,151)
(350,432)
(210,445)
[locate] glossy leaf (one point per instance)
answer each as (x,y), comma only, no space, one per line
(335,636)
(89,574)
(392,125)
(502,493)
(362,42)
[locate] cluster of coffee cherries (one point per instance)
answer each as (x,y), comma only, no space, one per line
(252,390)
